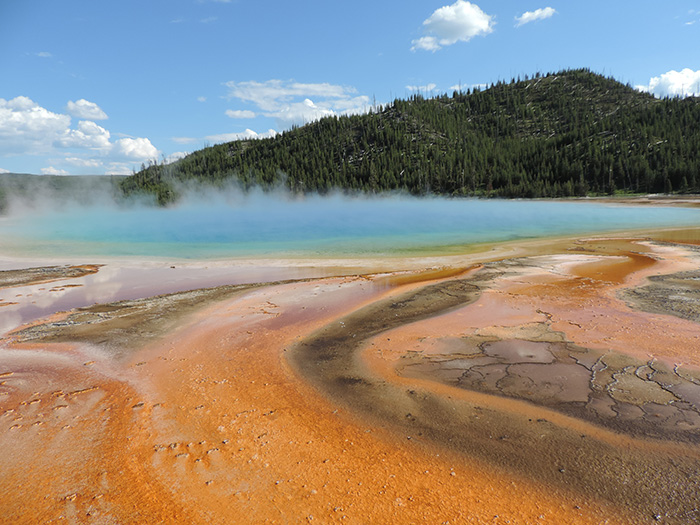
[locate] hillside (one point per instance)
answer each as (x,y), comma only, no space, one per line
(568,133)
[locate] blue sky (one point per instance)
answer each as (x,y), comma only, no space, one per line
(100,87)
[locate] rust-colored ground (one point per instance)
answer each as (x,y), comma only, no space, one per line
(216,421)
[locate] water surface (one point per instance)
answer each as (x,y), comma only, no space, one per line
(266,225)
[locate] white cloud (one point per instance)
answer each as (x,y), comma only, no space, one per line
(19,103)
(4,170)
(201,99)
(245,135)
(85,110)
(176,156)
(301,112)
(26,128)
(674,83)
(135,149)
(88,135)
(240,113)
(44,54)
(426,43)
(53,171)
(273,94)
(532,16)
(459,22)
(292,102)
(423,89)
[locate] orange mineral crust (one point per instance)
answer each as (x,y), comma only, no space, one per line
(330,401)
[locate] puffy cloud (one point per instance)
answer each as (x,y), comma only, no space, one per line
(674,84)
(533,16)
(297,103)
(135,149)
(85,110)
(88,135)
(240,113)
(426,43)
(44,54)
(2,170)
(19,103)
(53,171)
(26,127)
(459,22)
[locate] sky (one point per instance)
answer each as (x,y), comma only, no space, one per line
(100,87)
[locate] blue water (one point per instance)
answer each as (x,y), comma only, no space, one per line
(265,225)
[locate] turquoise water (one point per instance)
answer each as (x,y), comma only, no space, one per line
(264,225)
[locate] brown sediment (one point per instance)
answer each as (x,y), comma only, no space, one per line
(125,325)
(282,403)
(44,274)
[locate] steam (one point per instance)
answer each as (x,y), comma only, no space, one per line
(230,221)
(41,194)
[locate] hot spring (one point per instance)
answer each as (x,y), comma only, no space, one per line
(265,225)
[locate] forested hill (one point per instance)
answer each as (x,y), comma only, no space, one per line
(568,133)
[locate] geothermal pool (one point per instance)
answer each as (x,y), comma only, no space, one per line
(261,225)
(502,383)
